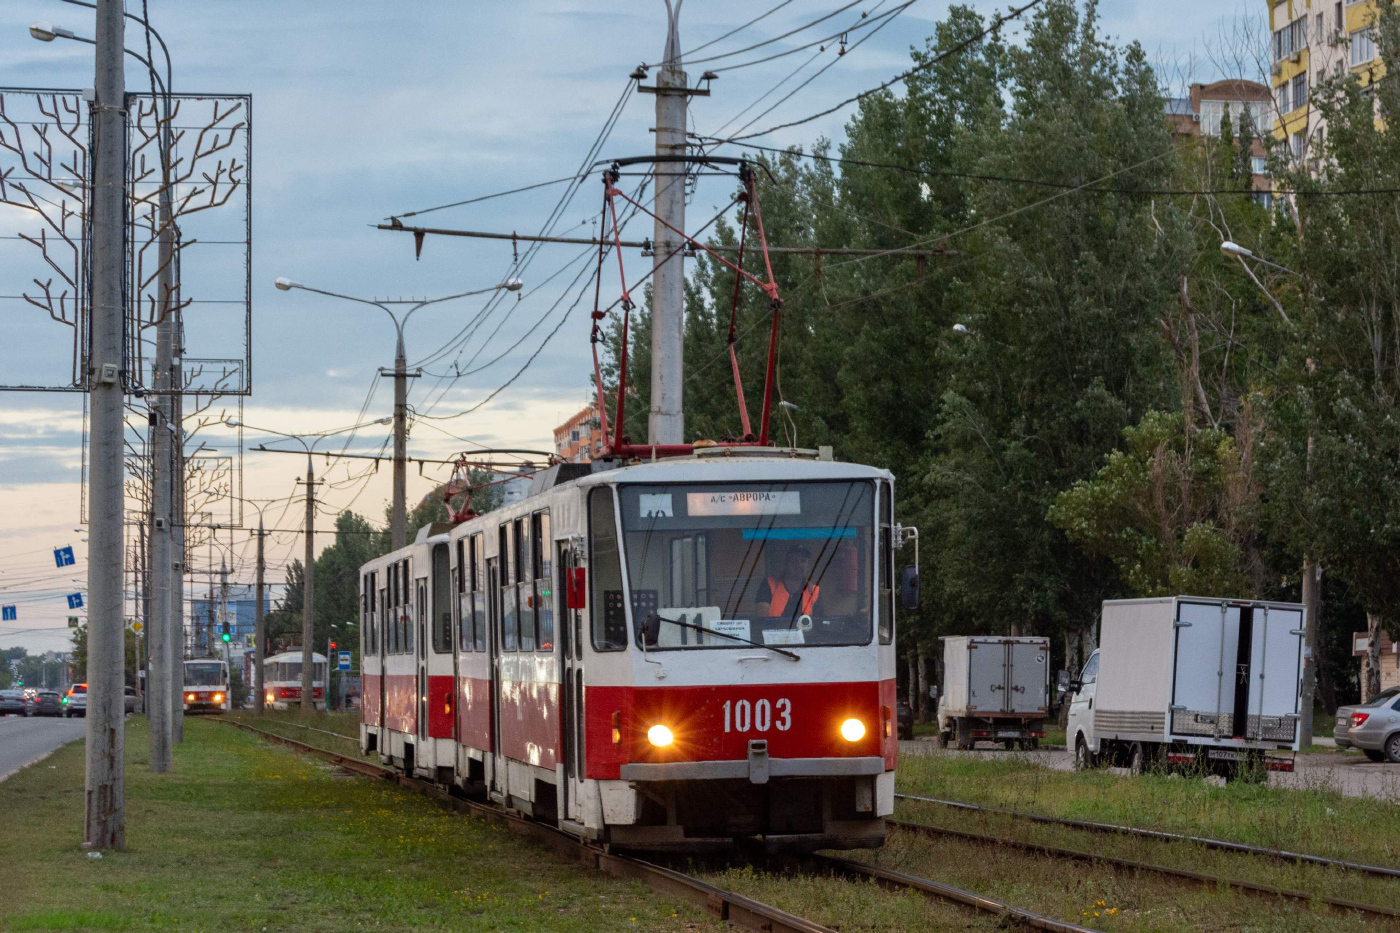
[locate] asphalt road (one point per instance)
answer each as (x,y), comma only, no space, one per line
(24,740)
(1347,773)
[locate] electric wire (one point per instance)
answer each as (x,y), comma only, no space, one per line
(791,32)
(882,18)
(761,16)
(997,23)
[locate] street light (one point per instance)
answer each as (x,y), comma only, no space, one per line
(47,32)
(1312,596)
(399,520)
(960,329)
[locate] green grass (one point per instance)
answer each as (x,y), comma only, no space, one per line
(1319,821)
(246,836)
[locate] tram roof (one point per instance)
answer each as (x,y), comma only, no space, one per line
(747,468)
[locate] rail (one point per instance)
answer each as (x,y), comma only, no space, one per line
(1252,887)
(1379,871)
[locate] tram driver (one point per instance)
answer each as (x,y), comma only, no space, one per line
(791,594)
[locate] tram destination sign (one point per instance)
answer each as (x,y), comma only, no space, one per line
(744,502)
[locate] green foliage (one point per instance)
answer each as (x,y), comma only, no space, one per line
(1163,509)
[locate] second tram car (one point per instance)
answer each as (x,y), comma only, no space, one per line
(206,686)
(282,680)
(665,655)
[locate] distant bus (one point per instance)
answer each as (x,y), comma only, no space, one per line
(282,680)
(206,686)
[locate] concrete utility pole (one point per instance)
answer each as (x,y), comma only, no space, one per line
(666,420)
(259,633)
(308,588)
(177,540)
(104,823)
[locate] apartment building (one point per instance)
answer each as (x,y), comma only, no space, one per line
(579,439)
(1312,40)
(1208,105)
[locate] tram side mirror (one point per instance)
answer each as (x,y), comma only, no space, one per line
(909,589)
(649,629)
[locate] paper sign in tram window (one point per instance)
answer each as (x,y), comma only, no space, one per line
(784,636)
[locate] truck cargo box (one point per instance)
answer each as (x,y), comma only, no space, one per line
(995,676)
(1199,671)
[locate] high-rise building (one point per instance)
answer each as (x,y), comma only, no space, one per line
(1310,41)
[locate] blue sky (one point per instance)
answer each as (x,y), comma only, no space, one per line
(362,110)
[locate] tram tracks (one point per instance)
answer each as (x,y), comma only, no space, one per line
(725,905)
(1223,845)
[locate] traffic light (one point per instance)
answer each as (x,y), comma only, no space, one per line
(225,632)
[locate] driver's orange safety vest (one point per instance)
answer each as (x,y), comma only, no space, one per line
(778,603)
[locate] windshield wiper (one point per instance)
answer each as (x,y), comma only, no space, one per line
(709,631)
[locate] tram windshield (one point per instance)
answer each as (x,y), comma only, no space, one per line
(204,674)
(291,671)
(773,563)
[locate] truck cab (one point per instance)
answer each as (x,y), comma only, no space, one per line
(1080,729)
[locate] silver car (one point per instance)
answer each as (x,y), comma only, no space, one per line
(1375,729)
(1341,732)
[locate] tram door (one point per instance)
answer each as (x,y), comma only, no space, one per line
(493,645)
(385,620)
(570,636)
(421,658)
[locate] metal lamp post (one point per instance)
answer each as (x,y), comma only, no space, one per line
(398,522)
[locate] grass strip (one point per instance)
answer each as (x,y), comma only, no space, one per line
(243,835)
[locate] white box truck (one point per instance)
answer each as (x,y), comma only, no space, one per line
(995,689)
(1183,680)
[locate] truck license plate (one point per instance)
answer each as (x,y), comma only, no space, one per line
(1008,734)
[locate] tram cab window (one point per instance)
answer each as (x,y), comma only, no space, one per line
(510,622)
(544,582)
(780,564)
(478,584)
(885,607)
(525,582)
(606,606)
(442,600)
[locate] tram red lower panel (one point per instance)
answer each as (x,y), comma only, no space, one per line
(716,723)
(474,713)
(400,702)
(530,722)
(369,699)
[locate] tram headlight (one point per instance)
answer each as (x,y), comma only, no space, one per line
(218,698)
(853,730)
(660,736)
(189,698)
(269,697)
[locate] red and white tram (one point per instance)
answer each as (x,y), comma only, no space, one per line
(205,686)
(662,655)
(282,680)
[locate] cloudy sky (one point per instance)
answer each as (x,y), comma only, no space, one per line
(362,110)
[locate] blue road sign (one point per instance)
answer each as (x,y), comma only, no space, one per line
(344,661)
(8,614)
(63,556)
(75,600)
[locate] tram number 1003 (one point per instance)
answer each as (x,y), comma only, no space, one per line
(743,716)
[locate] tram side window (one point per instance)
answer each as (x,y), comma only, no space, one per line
(524,583)
(886,601)
(463,597)
(510,622)
(409,619)
(479,590)
(391,620)
(544,582)
(606,608)
(384,623)
(442,600)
